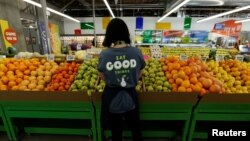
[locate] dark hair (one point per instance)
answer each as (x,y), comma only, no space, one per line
(117,30)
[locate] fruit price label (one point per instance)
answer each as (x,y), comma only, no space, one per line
(239,57)
(219,58)
(2,56)
(183,57)
(204,58)
(51,57)
(70,57)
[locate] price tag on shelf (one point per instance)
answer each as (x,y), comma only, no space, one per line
(2,56)
(70,57)
(239,57)
(204,58)
(219,58)
(183,57)
(51,57)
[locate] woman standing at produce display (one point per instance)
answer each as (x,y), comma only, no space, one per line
(121,67)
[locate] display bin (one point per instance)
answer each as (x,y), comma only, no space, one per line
(4,127)
(157,107)
(48,105)
(219,107)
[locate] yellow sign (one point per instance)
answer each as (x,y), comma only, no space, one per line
(105,22)
(5,25)
(55,41)
(163,26)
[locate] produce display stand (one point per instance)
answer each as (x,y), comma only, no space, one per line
(219,107)
(157,107)
(4,127)
(48,105)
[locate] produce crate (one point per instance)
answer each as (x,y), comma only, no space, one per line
(219,107)
(157,107)
(48,105)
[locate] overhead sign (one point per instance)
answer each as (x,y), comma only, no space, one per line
(4,25)
(139,23)
(43,36)
(87,25)
(187,23)
(10,35)
(228,28)
(163,26)
(105,22)
(78,32)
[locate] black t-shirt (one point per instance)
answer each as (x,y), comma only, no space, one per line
(121,66)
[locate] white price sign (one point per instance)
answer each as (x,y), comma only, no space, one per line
(239,57)
(183,57)
(2,56)
(70,57)
(204,58)
(219,58)
(51,57)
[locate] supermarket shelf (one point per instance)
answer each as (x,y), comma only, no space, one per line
(171,45)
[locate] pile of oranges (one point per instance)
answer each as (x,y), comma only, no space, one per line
(63,77)
(14,71)
(190,76)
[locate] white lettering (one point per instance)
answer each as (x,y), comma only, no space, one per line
(117,65)
(121,65)
(132,63)
(215,132)
(244,133)
(109,66)
(221,133)
(125,64)
(235,133)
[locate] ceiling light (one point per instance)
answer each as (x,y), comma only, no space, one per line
(110,11)
(51,10)
(242,21)
(199,2)
(225,13)
(173,10)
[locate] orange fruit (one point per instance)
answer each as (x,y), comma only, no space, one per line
(182,89)
(193,80)
(185,84)
(189,90)
(178,81)
(11,83)
(206,83)
(5,79)
(215,88)
(3,87)
(181,74)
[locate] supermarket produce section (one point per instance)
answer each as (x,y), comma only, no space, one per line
(172,89)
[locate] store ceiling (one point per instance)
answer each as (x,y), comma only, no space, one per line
(195,8)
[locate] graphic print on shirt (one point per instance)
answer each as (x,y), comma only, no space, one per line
(121,67)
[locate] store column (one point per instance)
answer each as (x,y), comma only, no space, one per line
(10,12)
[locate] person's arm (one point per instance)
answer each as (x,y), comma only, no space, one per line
(101,75)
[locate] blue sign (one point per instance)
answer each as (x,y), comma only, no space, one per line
(219,26)
(139,23)
(43,36)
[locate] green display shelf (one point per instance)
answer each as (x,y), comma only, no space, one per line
(220,107)
(48,105)
(4,127)
(158,107)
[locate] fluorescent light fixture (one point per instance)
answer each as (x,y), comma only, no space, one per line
(110,11)
(89,25)
(51,10)
(173,10)
(225,13)
(33,3)
(242,21)
(218,1)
